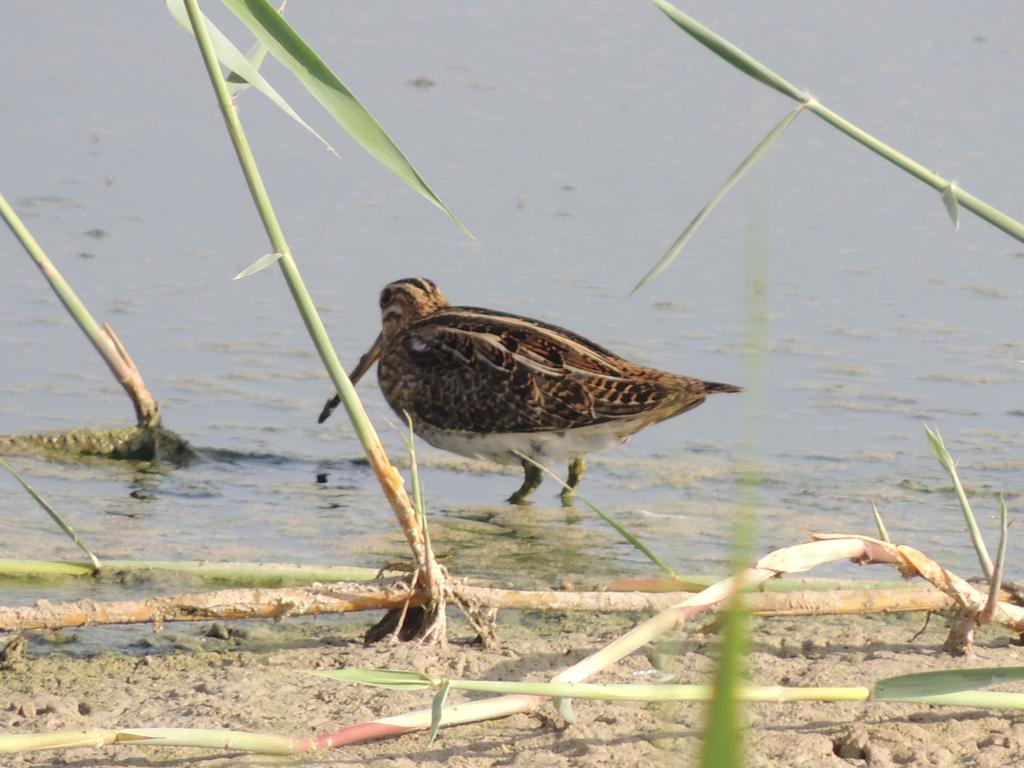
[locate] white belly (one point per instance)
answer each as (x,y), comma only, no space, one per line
(542,446)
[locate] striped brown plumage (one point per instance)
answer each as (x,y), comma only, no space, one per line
(492,384)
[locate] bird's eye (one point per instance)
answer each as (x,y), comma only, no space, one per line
(385,297)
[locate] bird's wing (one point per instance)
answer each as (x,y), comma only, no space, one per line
(493,372)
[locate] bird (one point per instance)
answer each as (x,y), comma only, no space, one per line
(507,388)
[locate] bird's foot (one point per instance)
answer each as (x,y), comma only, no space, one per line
(520,498)
(577,468)
(531,481)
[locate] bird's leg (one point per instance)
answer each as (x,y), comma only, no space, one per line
(576,470)
(530,483)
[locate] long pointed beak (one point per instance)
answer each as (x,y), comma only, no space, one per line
(357,373)
(367,360)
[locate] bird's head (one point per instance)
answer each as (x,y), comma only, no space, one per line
(403,302)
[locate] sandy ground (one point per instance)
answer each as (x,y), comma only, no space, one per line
(253,680)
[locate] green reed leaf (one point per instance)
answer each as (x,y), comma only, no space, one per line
(240,65)
(437,709)
(952,204)
(755,69)
(255,56)
(726,50)
(396,679)
(302,61)
(748,162)
(911,687)
(260,264)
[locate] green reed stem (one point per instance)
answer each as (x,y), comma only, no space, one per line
(944,687)
(60,286)
(220,573)
(723,741)
(403,680)
(389,478)
(96,564)
(755,69)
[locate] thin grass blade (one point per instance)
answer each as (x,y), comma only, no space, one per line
(621,529)
(302,61)
(96,564)
(911,687)
(729,183)
(260,264)
(996,584)
(883,534)
(417,488)
(946,461)
(238,63)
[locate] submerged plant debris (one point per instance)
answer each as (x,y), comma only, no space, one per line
(154,444)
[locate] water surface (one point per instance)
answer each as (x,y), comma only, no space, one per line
(576,141)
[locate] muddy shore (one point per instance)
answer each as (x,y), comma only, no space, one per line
(249,676)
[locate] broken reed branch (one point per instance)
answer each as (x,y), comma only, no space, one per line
(390,480)
(393,594)
(248,574)
(221,605)
(110,348)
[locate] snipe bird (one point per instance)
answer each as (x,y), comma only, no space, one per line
(487,384)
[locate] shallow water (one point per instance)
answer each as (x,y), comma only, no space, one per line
(575,141)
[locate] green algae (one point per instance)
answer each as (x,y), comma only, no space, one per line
(153,444)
